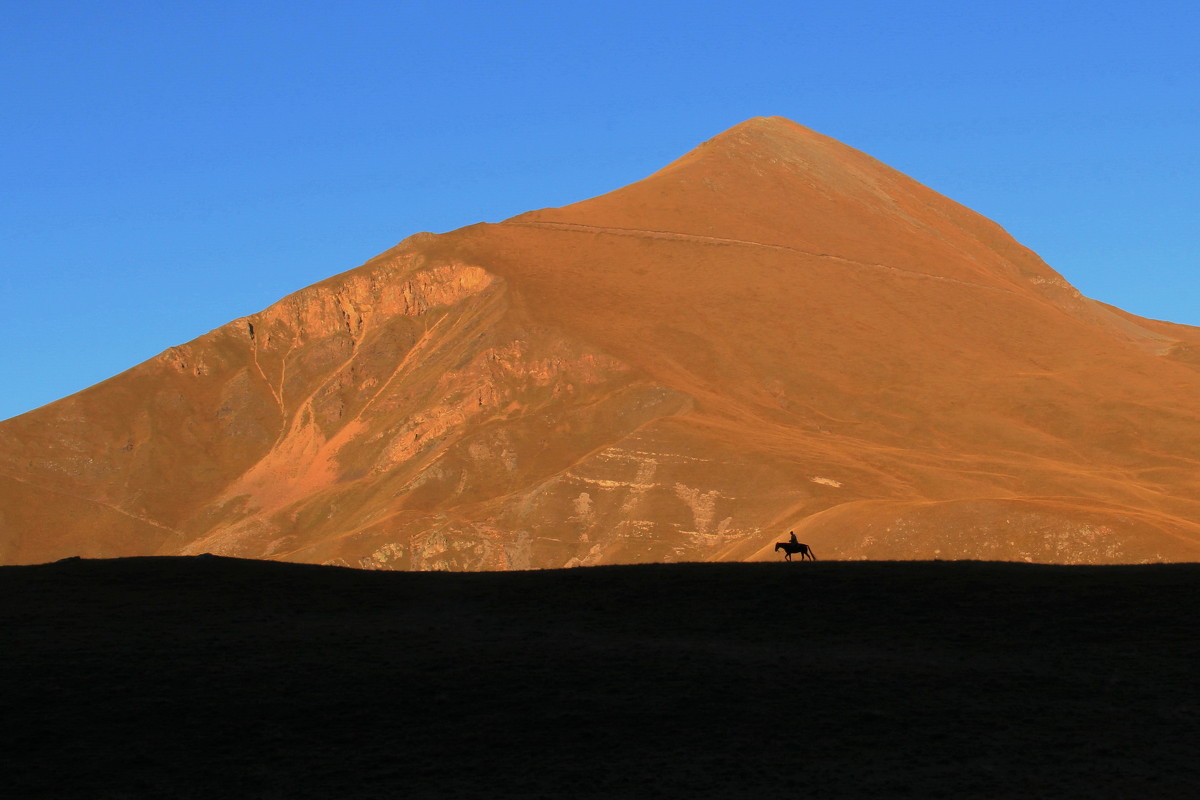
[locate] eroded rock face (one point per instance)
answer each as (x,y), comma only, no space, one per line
(773,333)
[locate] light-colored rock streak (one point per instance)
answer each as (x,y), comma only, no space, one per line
(826,481)
(702,505)
(642,483)
(610,484)
(583,509)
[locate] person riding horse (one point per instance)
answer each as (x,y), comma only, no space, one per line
(794,545)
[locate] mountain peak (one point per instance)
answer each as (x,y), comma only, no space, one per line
(772,182)
(776,141)
(769,134)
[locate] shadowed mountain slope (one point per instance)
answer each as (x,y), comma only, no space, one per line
(774,332)
(211,677)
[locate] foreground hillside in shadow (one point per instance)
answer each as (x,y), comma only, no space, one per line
(209,677)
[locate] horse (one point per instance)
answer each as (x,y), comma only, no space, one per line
(794,547)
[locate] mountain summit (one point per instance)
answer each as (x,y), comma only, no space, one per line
(775,332)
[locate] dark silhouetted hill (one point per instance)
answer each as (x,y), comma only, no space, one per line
(212,677)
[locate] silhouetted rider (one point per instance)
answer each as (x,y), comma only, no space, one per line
(794,539)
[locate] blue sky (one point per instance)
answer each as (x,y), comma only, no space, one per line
(170,166)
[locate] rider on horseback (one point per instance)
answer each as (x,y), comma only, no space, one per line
(795,546)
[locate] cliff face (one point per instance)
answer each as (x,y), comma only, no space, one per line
(774,332)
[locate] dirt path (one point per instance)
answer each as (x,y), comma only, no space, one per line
(717,240)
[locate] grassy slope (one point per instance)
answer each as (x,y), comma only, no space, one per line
(213,677)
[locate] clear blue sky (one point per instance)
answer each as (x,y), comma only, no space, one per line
(170,166)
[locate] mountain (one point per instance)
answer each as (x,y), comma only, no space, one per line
(775,332)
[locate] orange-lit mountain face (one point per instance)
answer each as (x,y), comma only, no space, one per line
(775,332)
